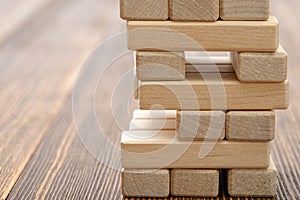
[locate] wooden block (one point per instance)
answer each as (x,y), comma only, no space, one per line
(200,125)
(252,182)
(250,125)
(144,9)
(194,10)
(199,68)
(160,65)
(235,36)
(194,182)
(163,150)
(244,9)
(154,114)
(260,67)
(152,124)
(145,183)
(213,91)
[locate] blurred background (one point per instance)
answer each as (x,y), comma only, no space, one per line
(43,44)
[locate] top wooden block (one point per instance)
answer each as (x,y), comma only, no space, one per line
(253,36)
(144,9)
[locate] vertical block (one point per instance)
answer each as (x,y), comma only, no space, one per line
(145,183)
(194,182)
(144,9)
(160,65)
(244,9)
(261,67)
(250,125)
(194,10)
(252,182)
(198,125)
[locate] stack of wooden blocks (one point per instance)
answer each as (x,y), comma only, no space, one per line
(253,81)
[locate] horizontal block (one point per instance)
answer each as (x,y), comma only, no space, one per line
(162,149)
(244,9)
(252,182)
(196,10)
(260,67)
(233,36)
(250,125)
(213,91)
(153,124)
(154,114)
(144,9)
(145,183)
(194,182)
(199,68)
(200,125)
(160,65)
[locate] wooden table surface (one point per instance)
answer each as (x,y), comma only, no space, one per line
(42,47)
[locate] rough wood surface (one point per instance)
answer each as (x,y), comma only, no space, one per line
(213,91)
(194,182)
(253,182)
(145,183)
(261,67)
(144,9)
(160,66)
(164,150)
(200,125)
(250,125)
(244,9)
(198,36)
(194,10)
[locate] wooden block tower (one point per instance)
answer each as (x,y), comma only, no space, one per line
(223,98)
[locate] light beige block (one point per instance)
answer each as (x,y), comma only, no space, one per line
(145,183)
(252,182)
(250,125)
(194,10)
(160,65)
(206,68)
(235,36)
(154,114)
(144,9)
(152,124)
(200,125)
(244,9)
(261,67)
(162,149)
(194,182)
(213,91)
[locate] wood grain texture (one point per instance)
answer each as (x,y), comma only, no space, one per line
(144,9)
(194,10)
(212,91)
(200,125)
(210,36)
(250,126)
(261,67)
(160,66)
(145,183)
(200,68)
(194,182)
(252,182)
(244,9)
(164,150)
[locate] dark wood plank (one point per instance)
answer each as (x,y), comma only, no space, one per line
(39,62)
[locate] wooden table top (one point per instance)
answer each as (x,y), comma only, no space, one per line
(42,46)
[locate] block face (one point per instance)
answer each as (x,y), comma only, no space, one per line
(250,125)
(160,65)
(200,93)
(252,182)
(144,9)
(145,183)
(193,182)
(194,10)
(162,149)
(261,67)
(235,36)
(200,125)
(244,9)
